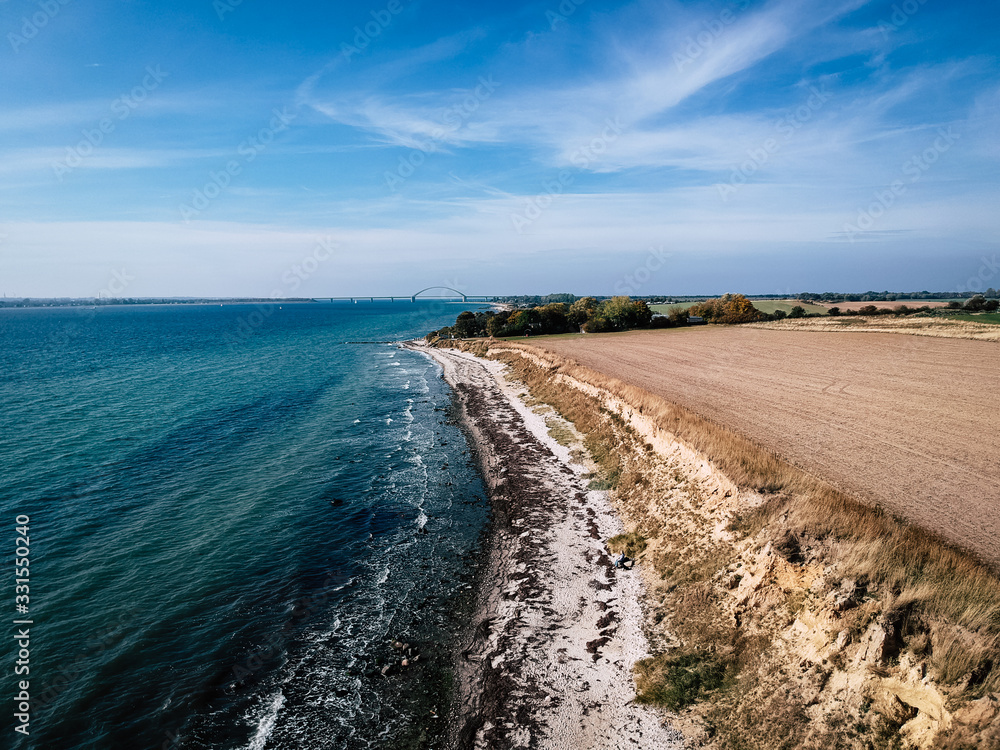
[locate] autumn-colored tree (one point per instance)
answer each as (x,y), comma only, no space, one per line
(728,309)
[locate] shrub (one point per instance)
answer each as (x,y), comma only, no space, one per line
(632,544)
(976,303)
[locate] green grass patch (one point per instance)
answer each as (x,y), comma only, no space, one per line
(665,309)
(770,306)
(601,484)
(993,318)
(678,680)
(562,435)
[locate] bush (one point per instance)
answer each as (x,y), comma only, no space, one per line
(976,303)
(797,312)
(833,312)
(632,544)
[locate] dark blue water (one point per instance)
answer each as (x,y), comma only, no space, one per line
(232,510)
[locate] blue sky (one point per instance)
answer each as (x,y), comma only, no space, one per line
(304,148)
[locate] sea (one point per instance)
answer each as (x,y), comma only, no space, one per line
(233,511)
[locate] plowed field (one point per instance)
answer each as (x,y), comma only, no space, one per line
(905,421)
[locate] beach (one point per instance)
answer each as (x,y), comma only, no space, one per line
(547,660)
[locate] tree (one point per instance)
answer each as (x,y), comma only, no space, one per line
(495,325)
(797,312)
(553,317)
(581,310)
(622,313)
(465,325)
(521,321)
(678,316)
(833,312)
(728,309)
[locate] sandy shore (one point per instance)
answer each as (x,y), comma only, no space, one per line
(548,658)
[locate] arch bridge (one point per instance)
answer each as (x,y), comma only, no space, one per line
(421,295)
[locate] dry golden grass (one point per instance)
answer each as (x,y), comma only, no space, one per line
(935,327)
(923,574)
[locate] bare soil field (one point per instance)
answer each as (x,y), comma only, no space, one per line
(908,422)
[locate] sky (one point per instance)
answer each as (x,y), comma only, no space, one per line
(244,148)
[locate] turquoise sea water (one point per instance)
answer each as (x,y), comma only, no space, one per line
(232,510)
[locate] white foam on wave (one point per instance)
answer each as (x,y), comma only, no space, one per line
(356,421)
(267,722)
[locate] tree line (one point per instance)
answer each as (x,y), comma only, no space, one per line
(585,314)
(590,315)
(891,296)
